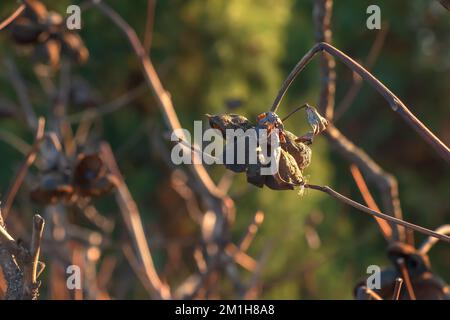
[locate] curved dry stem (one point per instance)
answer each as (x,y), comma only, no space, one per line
(384,216)
(430,242)
(385,228)
(20,176)
(385,182)
(396,104)
(12,17)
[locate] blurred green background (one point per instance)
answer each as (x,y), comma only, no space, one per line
(212,54)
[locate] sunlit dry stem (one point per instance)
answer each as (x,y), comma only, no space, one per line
(397,288)
(30,272)
(357,83)
(367,196)
(322,13)
(12,17)
(396,104)
(384,216)
(22,93)
(430,241)
(364,293)
(405,274)
(386,183)
(131,215)
(20,176)
(162,96)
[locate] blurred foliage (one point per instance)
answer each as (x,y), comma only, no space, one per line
(212,54)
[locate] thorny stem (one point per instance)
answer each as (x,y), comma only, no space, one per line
(396,104)
(29,159)
(384,216)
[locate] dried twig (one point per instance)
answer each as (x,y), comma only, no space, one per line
(407,279)
(397,288)
(431,241)
(384,216)
(364,293)
(30,272)
(21,90)
(356,86)
(386,183)
(149,22)
(322,14)
(12,17)
(112,106)
(357,176)
(133,221)
(395,103)
(29,159)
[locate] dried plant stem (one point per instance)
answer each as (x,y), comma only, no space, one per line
(396,104)
(12,17)
(384,216)
(30,272)
(29,159)
(386,183)
(322,12)
(397,288)
(111,106)
(407,279)
(162,96)
(150,21)
(356,86)
(21,90)
(430,242)
(359,179)
(133,221)
(364,293)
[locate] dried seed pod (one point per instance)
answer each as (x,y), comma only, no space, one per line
(426,285)
(294,155)
(45,30)
(73,46)
(53,187)
(90,176)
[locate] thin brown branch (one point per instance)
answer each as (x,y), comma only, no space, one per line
(445,4)
(384,216)
(30,272)
(407,279)
(19,86)
(364,293)
(356,86)
(112,106)
(29,159)
(149,24)
(162,96)
(397,288)
(430,241)
(395,103)
(385,228)
(131,215)
(322,13)
(386,183)
(251,231)
(12,17)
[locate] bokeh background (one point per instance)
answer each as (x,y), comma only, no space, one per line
(232,56)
